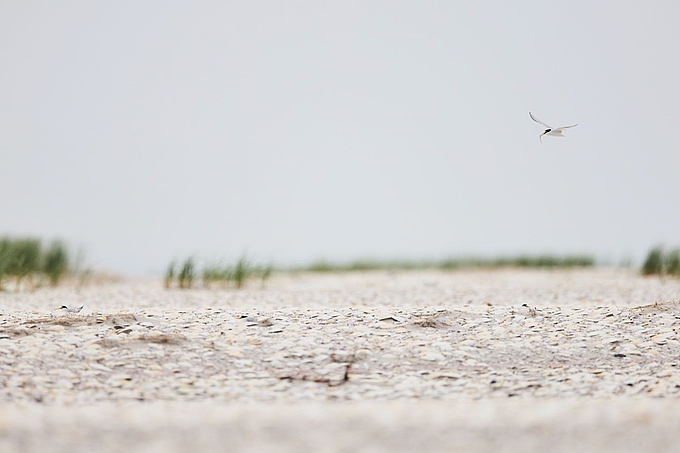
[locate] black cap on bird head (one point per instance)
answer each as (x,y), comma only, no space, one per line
(547,130)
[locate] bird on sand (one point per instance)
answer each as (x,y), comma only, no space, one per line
(70,311)
(554,131)
(526,310)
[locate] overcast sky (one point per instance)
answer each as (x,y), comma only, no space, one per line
(303,130)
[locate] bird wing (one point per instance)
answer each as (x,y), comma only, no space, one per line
(539,121)
(566,127)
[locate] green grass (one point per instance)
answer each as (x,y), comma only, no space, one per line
(216,274)
(660,262)
(654,264)
(242,271)
(24,259)
(5,258)
(56,262)
(266,272)
(219,274)
(187,274)
(524,261)
(169,275)
(673,262)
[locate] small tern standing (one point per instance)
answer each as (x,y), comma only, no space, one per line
(70,311)
(554,131)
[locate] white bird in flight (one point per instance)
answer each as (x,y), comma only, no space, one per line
(554,131)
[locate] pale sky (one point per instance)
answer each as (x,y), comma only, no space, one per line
(303,130)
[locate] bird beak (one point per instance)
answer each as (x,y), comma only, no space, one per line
(540,137)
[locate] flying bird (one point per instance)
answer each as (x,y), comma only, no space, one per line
(554,131)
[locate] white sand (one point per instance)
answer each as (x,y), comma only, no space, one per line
(381,361)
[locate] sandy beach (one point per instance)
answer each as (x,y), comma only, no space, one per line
(375,361)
